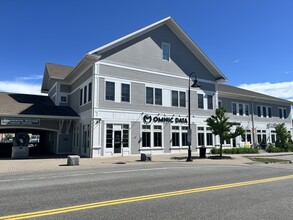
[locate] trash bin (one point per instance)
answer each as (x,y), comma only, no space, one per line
(202,152)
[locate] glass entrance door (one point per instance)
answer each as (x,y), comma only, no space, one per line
(117,142)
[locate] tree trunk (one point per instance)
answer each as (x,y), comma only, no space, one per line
(221,147)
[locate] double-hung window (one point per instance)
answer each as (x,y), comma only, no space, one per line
(200,101)
(182,101)
(174,98)
(125,92)
(210,102)
(158,96)
(110,91)
(282,113)
(178,99)
(150,96)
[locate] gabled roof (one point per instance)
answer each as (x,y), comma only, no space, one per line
(69,74)
(178,32)
(54,71)
(18,105)
(227,90)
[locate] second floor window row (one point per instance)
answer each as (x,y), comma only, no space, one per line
(264,111)
(240,109)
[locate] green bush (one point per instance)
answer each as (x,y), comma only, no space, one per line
(288,147)
(275,149)
(235,151)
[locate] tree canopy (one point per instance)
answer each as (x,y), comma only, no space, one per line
(221,126)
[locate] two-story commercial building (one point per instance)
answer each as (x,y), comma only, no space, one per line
(257,113)
(131,96)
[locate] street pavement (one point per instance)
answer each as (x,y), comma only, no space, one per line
(51,164)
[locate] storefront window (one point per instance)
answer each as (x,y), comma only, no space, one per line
(248,138)
(175,139)
(125,137)
(157,136)
(200,139)
(209,139)
(146,136)
(175,136)
(109,136)
(184,139)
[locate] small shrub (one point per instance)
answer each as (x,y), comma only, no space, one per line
(275,149)
(215,151)
(236,151)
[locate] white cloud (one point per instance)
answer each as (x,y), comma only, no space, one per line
(236,61)
(29,78)
(20,87)
(282,90)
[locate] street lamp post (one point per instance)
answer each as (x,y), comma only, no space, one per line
(189,135)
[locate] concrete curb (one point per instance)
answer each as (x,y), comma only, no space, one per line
(39,165)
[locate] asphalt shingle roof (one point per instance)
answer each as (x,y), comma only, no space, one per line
(22,104)
(58,71)
(224,88)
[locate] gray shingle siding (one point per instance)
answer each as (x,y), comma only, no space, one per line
(145,52)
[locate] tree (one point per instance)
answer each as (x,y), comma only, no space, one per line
(283,136)
(220,126)
(8,136)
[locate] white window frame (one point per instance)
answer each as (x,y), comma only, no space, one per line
(238,108)
(115,91)
(129,92)
(152,130)
(64,96)
(283,116)
(262,112)
(180,131)
(154,95)
(85,97)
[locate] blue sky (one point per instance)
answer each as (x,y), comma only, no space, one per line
(249,41)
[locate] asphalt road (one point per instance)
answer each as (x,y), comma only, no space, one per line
(117,192)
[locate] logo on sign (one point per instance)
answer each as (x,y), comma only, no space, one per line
(148,119)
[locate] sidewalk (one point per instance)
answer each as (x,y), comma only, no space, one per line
(37,165)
